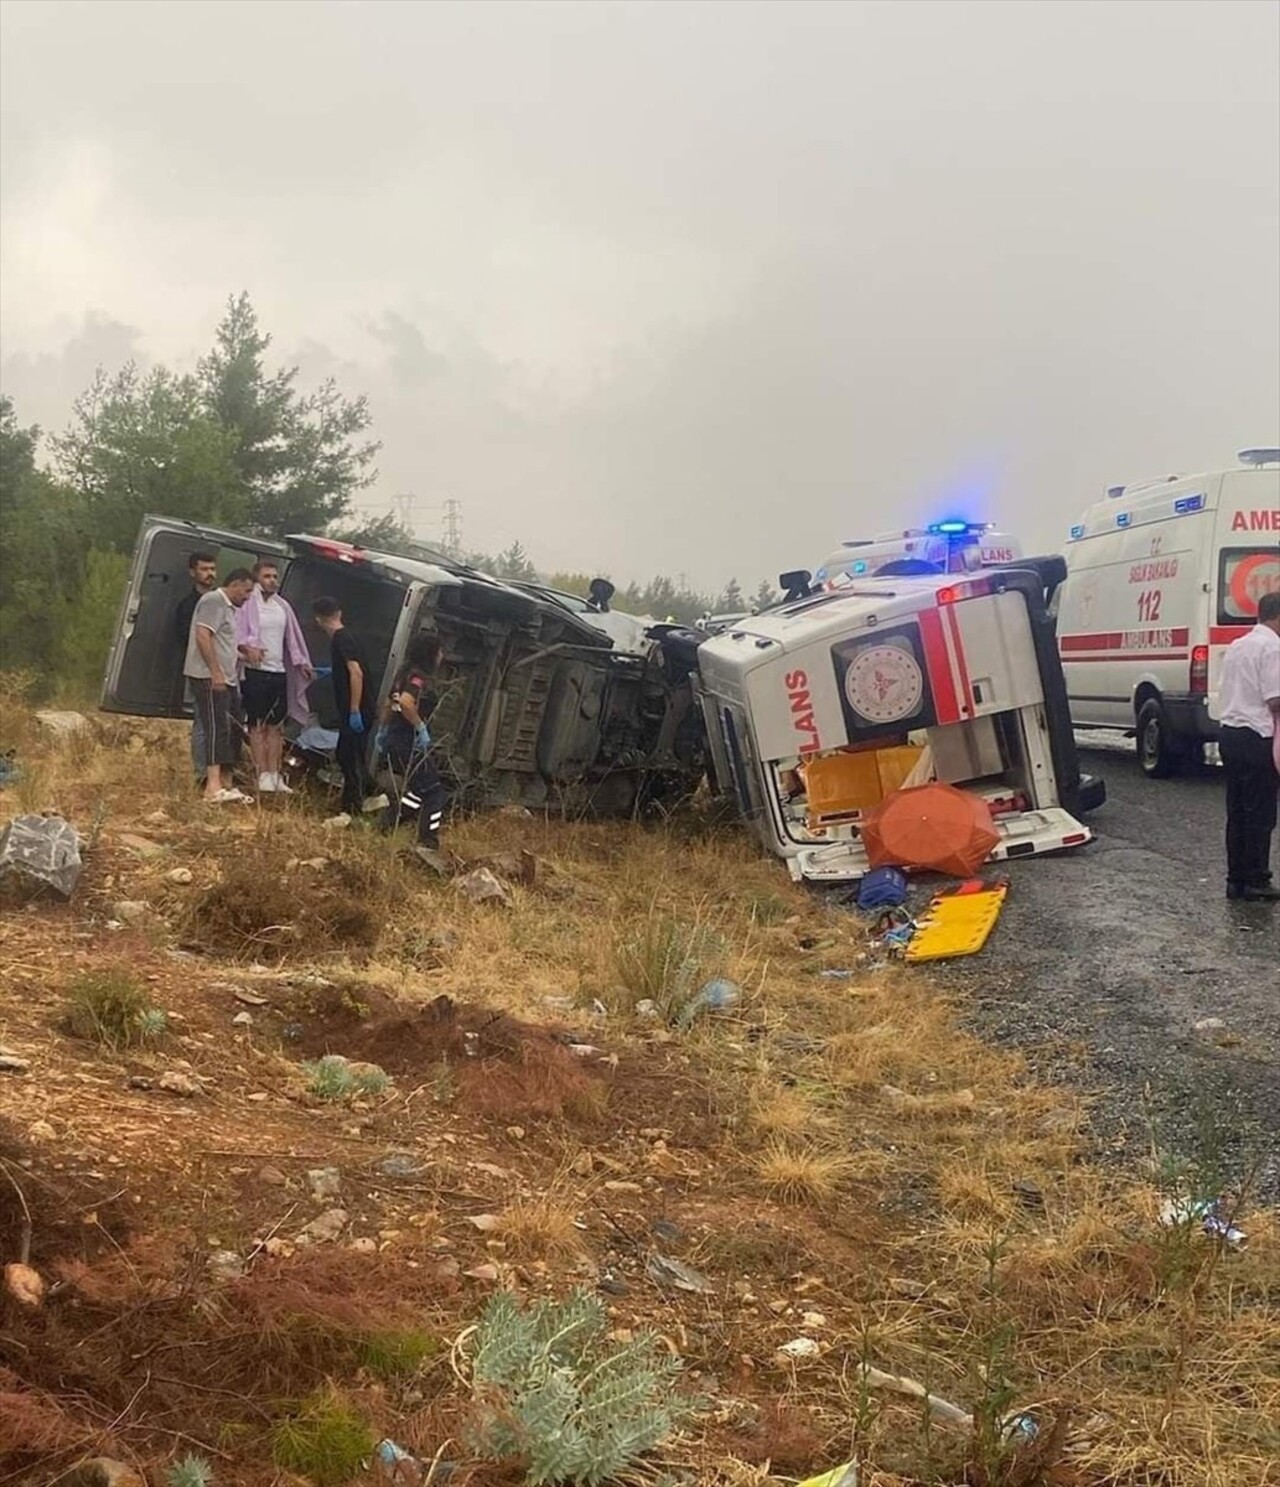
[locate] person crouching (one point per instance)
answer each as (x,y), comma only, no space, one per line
(403,737)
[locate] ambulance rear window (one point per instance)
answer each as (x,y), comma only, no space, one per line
(1244,575)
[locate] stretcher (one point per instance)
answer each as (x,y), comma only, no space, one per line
(957,924)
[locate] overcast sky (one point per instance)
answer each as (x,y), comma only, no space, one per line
(675,286)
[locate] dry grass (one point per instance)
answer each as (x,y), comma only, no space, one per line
(543,1227)
(801,1174)
(841,1147)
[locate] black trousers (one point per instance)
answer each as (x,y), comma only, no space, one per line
(1252,784)
(419,791)
(355,776)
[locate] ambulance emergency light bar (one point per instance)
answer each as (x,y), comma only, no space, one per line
(960,528)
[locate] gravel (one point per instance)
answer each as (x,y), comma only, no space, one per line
(1105,960)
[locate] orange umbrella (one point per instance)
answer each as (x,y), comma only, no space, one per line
(933,826)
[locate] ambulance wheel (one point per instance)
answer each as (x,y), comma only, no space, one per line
(1158,752)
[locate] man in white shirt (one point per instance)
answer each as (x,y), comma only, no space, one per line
(1249,704)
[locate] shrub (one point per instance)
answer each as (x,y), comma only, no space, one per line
(665,961)
(323,1439)
(554,1392)
(336,1078)
(111,1009)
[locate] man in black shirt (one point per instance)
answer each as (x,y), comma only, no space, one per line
(202,567)
(404,739)
(354,697)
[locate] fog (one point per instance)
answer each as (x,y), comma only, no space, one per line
(674,287)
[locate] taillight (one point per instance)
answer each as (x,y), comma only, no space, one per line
(1200,670)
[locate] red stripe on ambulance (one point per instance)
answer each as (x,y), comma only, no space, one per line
(945,703)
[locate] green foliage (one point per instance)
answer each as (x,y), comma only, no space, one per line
(113,1010)
(664,961)
(298,457)
(43,546)
(191,1471)
(381,533)
(145,442)
(87,623)
(397,1355)
(514,564)
(555,1392)
(323,1440)
(333,1078)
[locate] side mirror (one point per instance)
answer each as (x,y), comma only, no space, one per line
(796,585)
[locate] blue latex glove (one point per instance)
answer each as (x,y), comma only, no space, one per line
(322,671)
(355,721)
(380,739)
(421,738)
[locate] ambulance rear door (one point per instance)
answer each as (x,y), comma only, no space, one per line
(1245,562)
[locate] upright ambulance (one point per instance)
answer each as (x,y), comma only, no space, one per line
(1162,577)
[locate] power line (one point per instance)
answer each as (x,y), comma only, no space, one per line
(453,527)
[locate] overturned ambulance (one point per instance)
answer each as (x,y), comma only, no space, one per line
(817,709)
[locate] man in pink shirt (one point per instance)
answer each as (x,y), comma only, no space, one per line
(277,673)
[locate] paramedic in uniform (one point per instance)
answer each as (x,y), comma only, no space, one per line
(1249,701)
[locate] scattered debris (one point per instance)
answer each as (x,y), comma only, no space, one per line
(717,995)
(131,911)
(940,1409)
(242,1019)
(1207,1212)
(327,1228)
(488,1271)
(62,724)
(667,1272)
(336,823)
(38,853)
(1210,1025)
(482,887)
(174,1082)
(400,1164)
(800,1347)
(180,875)
(25,1285)
(103,1471)
(324,1182)
(841,1476)
(141,846)
(249,998)
(224,1266)
(1029,1193)
(13,1063)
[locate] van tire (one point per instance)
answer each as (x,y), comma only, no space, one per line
(1158,752)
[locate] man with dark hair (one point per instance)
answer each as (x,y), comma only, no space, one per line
(213,669)
(1249,708)
(277,672)
(354,698)
(202,568)
(404,739)
(600,595)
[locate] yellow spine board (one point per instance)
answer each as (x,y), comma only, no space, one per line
(956,924)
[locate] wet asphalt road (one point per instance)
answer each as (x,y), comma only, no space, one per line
(1105,959)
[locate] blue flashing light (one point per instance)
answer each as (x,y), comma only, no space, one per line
(952,528)
(860,566)
(1077,531)
(1185,505)
(1122,519)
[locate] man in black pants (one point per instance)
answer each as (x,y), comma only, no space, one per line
(404,739)
(1249,701)
(354,698)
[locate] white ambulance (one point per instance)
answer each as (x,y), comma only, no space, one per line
(944,547)
(817,709)
(1162,577)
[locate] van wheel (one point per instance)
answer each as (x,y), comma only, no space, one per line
(1157,752)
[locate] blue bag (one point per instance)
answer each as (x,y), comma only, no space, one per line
(883,888)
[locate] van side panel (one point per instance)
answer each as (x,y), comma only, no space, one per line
(1134,605)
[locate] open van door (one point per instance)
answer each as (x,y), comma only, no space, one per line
(144,669)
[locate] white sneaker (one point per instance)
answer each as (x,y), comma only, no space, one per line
(227,797)
(267,784)
(279,785)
